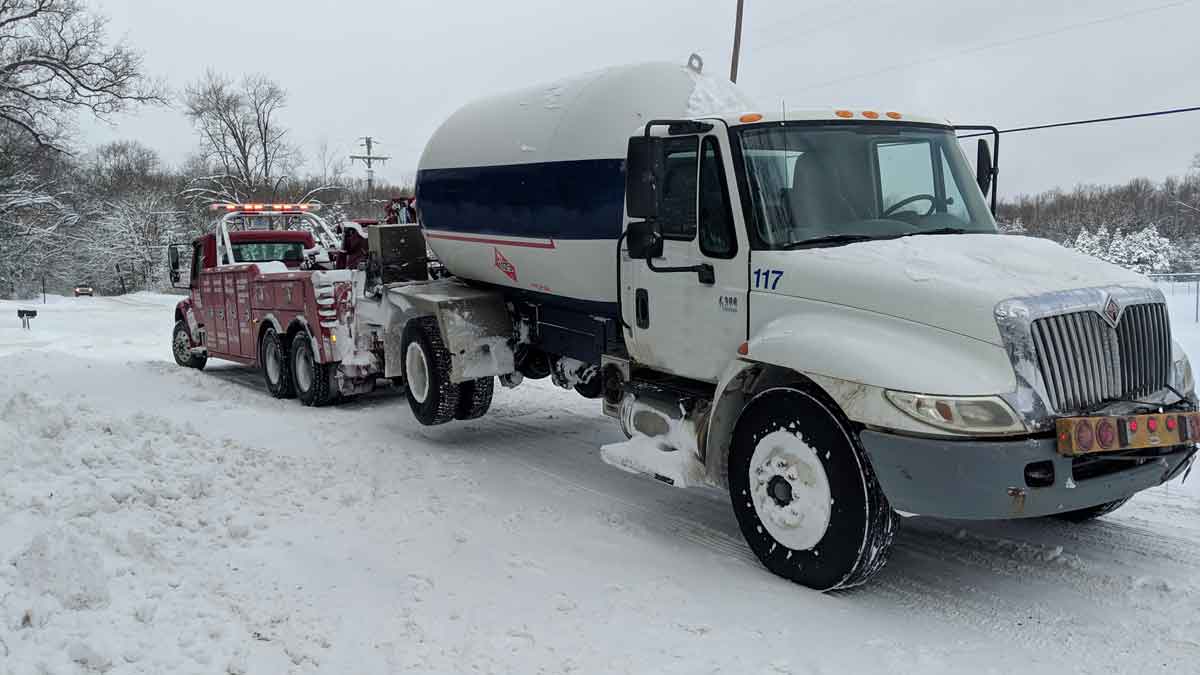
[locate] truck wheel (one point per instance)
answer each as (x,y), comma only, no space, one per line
(804,492)
(276,365)
(1092,512)
(431,395)
(181,346)
(475,398)
(593,388)
(312,380)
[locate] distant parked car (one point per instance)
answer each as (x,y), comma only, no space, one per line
(84,290)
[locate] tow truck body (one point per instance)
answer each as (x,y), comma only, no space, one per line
(277,288)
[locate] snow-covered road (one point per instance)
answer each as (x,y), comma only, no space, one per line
(160,520)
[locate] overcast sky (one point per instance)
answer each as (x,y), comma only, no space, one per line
(395,69)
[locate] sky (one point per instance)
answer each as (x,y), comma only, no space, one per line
(394,70)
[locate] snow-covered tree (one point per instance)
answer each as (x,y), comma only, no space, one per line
(1144,251)
(34,238)
(127,242)
(1095,245)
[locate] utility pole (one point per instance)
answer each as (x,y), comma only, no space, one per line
(737,42)
(369,159)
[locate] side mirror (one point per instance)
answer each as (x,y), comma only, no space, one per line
(644,240)
(641,173)
(173,265)
(983,166)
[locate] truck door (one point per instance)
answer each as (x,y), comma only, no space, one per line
(680,323)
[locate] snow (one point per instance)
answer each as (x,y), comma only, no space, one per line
(481,355)
(272,267)
(712,95)
(161,520)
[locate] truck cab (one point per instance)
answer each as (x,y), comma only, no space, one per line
(846,336)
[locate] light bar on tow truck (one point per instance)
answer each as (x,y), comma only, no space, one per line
(265,208)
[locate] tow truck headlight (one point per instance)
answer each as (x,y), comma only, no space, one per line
(964,414)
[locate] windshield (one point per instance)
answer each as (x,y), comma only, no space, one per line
(839,183)
(264,251)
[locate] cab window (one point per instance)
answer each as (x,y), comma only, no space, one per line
(677,208)
(717,237)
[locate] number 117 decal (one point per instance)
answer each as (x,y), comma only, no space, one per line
(768,280)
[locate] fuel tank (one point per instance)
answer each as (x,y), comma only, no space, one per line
(527,190)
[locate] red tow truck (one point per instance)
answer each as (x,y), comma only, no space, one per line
(325,311)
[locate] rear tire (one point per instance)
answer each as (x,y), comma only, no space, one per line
(1092,512)
(276,366)
(804,493)
(475,398)
(593,388)
(181,346)
(313,381)
(434,399)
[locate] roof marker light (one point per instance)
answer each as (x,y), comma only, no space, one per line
(843,113)
(894,115)
(750,117)
(870,114)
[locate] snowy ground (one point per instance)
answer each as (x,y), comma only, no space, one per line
(159,520)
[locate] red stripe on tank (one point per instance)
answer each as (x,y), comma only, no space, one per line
(495,242)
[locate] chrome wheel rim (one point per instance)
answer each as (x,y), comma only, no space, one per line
(303,368)
(273,362)
(416,371)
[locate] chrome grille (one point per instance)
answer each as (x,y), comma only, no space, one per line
(1145,337)
(1085,362)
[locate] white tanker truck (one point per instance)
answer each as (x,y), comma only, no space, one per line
(812,310)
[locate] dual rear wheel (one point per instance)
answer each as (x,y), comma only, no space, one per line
(296,372)
(433,397)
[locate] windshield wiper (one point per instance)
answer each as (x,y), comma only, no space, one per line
(941,230)
(829,240)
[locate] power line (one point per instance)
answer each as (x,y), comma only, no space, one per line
(1094,120)
(1000,43)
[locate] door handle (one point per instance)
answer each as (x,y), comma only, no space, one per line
(642,309)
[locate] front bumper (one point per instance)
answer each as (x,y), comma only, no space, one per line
(982,479)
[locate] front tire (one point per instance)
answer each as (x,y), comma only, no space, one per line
(312,380)
(804,493)
(434,399)
(181,348)
(276,366)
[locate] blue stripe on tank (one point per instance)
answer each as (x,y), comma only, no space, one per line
(581,199)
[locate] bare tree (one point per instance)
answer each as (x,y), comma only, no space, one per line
(120,167)
(241,137)
(330,163)
(55,60)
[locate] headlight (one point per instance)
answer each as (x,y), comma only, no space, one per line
(1181,376)
(964,414)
